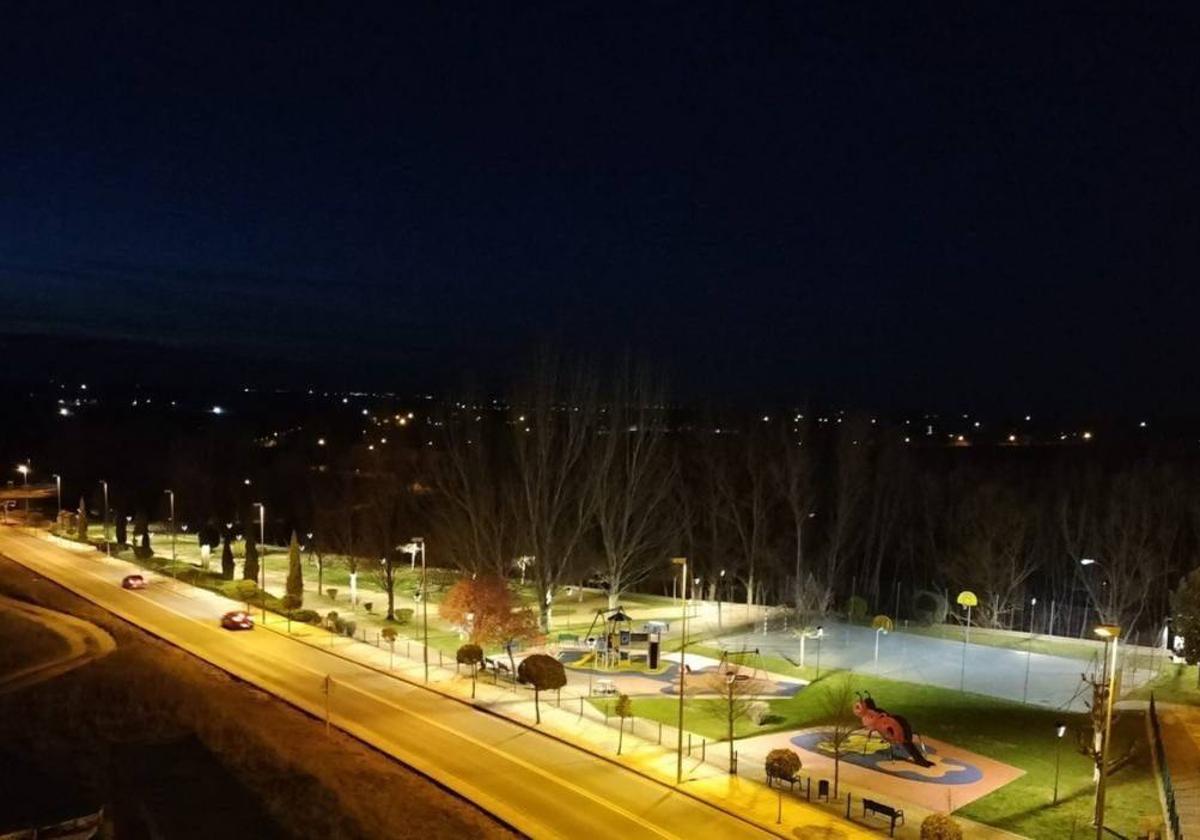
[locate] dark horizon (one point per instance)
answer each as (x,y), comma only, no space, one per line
(899,209)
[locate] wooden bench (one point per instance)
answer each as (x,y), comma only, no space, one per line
(887,811)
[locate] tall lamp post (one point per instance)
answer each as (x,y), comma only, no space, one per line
(171,496)
(419,542)
(1060,729)
(682,563)
(107,548)
(58,490)
(1110,633)
(262,554)
(720,583)
(23,469)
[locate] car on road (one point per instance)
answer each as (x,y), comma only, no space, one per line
(133,582)
(237,620)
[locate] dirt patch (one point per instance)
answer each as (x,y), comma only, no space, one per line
(147,692)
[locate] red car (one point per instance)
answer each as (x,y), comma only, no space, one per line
(133,582)
(237,620)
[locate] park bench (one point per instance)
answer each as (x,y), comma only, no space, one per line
(887,811)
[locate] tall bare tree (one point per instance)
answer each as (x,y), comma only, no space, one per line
(553,429)
(633,475)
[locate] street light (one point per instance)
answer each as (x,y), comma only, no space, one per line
(1032,613)
(820,635)
(58,490)
(1060,729)
(682,563)
(107,548)
(262,556)
(720,582)
(800,553)
(419,542)
(23,469)
(1110,633)
(171,495)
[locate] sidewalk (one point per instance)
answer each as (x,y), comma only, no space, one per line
(1181,740)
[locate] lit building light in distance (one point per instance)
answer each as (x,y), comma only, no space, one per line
(1142,424)
(320,441)
(1087,435)
(1012,438)
(216,409)
(64,412)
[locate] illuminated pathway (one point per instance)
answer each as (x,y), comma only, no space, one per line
(539,785)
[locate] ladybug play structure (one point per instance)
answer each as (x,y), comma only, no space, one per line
(893,729)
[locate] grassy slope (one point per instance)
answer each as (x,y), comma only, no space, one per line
(1022,736)
(24,643)
(1176,685)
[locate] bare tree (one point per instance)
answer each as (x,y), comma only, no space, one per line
(837,706)
(553,429)
(737,687)
(1120,535)
(633,476)
(989,525)
(388,482)
(792,472)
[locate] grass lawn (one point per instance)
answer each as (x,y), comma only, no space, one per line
(1176,685)
(1022,736)
(24,643)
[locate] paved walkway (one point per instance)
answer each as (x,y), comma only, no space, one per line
(1181,740)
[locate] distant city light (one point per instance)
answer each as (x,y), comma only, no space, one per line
(1142,424)
(1028,418)
(320,441)
(64,411)
(246,481)
(1087,435)
(1012,438)
(216,409)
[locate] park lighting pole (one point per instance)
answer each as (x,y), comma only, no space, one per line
(58,490)
(820,635)
(1032,613)
(1060,729)
(800,555)
(1110,633)
(682,563)
(107,548)
(23,469)
(262,556)
(171,496)
(419,542)
(720,582)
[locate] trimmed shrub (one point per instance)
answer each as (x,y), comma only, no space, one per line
(467,654)
(291,602)
(543,673)
(331,620)
(940,827)
(368,605)
(307,616)
(404,615)
(757,712)
(348,628)
(782,764)
(332,593)
(388,634)
(857,609)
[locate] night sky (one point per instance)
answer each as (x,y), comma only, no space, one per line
(990,206)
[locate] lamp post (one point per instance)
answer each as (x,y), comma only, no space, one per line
(720,583)
(262,557)
(171,496)
(682,563)
(1110,633)
(107,547)
(820,635)
(1060,729)
(23,469)
(58,490)
(419,542)
(800,555)
(1032,613)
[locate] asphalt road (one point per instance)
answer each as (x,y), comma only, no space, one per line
(538,785)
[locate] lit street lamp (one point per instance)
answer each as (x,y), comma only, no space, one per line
(23,469)
(1060,729)
(682,563)
(1110,633)
(417,544)
(171,496)
(262,556)
(107,549)
(58,490)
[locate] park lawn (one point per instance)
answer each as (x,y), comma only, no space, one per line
(1176,685)
(25,643)
(1022,736)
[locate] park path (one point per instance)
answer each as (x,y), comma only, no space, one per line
(1181,740)
(85,642)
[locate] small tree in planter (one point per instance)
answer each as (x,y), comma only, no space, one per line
(250,567)
(624,709)
(82,521)
(543,673)
(940,827)
(782,764)
(295,576)
(472,655)
(227,565)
